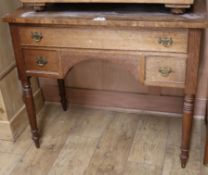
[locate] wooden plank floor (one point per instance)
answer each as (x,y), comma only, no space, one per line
(85,141)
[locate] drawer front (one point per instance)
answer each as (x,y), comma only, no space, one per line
(45,63)
(103,38)
(165,71)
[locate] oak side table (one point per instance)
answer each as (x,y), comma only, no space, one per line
(157,47)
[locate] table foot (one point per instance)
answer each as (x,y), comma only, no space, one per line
(178,11)
(36,138)
(178,8)
(184,157)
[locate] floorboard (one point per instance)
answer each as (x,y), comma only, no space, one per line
(86,141)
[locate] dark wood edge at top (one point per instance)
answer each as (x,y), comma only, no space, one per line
(196,19)
(203,24)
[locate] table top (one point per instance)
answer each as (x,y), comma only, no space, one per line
(124,15)
(112,1)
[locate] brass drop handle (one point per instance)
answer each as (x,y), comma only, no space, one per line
(165,41)
(165,71)
(37,36)
(41,61)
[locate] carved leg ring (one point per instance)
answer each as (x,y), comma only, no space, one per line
(62,93)
(187,128)
(30,107)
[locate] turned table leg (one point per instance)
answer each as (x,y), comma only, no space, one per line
(187,128)
(194,41)
(206,144)
(30,107)
(62,93)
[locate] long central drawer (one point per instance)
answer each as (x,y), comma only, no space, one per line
(159,40)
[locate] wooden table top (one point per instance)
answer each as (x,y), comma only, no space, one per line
(112,1)
(125,15)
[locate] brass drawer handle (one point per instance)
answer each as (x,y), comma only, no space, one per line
(37,36)
(166,42)
(41,61)
(165,71)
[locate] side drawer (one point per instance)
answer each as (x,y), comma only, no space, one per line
(166,71)
(162,40)
(44,63)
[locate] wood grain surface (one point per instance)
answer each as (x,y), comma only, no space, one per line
(52,67)
(63,152)
(97,41)
(109,1)
(174,78)
(106,38)
(71,15)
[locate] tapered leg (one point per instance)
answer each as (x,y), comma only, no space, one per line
(62,93)
(206,144)
(187,128)
(30,107)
